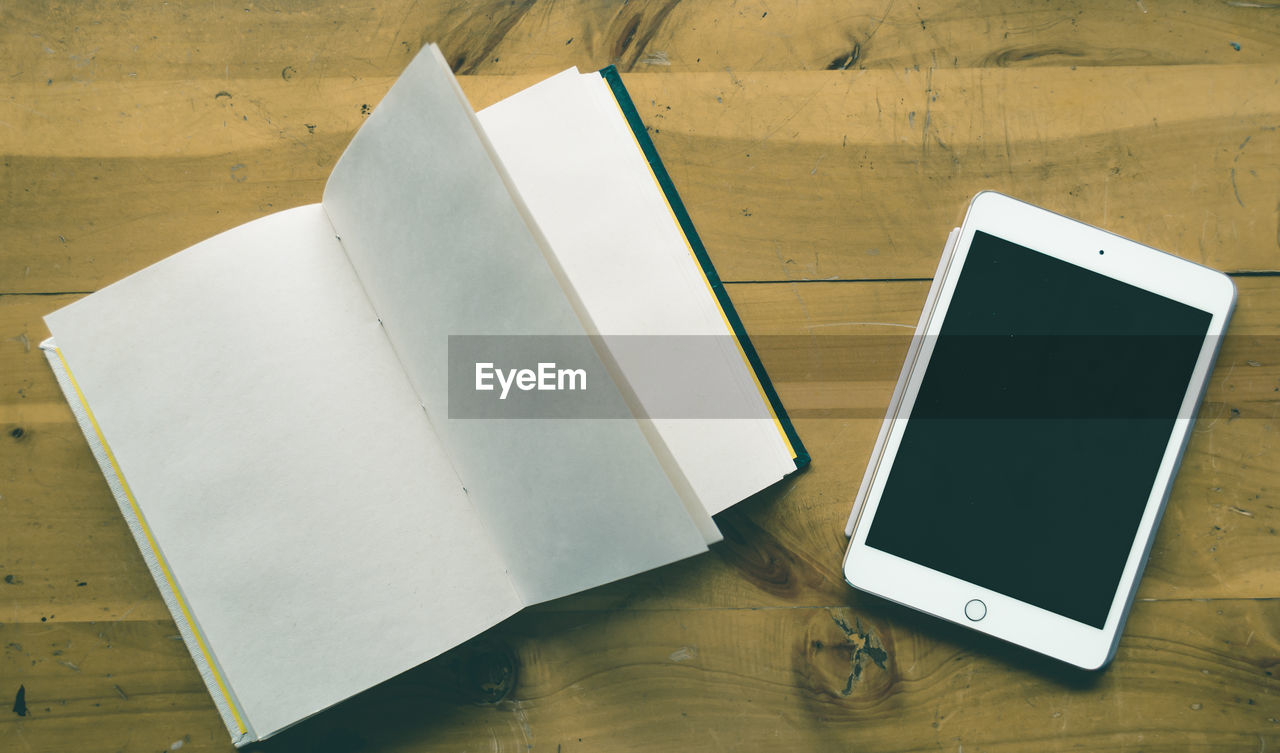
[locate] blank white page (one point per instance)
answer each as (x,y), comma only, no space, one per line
(573,158)
(279,455)
(443,249)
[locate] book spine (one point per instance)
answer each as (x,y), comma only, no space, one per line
(201,654)
(798,452)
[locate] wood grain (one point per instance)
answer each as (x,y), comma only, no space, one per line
(114,40)
(826,175)
(860,675)
(824,150)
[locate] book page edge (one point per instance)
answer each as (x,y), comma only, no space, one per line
(224,699)
(696,510)
(657,171)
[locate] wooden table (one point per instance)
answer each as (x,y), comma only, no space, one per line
(824,150)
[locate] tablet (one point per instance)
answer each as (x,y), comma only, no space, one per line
(1036,429)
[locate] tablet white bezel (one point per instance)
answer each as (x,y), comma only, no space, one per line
(1007,618)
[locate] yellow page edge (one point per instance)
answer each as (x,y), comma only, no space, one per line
(241,729)
(705,281)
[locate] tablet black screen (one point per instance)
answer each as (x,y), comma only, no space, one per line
(1041,420)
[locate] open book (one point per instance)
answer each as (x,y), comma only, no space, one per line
(275,407)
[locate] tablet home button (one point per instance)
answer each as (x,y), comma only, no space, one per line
(975,610)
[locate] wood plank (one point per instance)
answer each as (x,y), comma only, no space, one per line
(818,140)
(783,547)
(865,674)
(113,685)
(826,175)
(114,40)
(861,176)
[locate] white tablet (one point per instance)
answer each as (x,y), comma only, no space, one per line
(1037,426)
